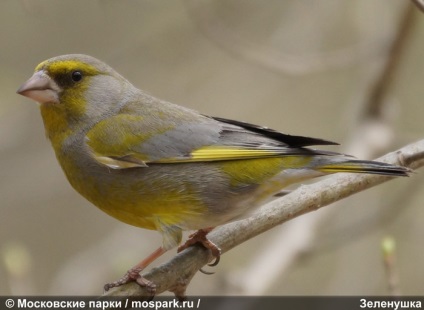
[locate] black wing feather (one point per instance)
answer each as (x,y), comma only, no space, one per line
(293,141)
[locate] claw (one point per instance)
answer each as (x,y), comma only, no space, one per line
(200,237)
(149,285)
(133,275)
(216,261)
(206,272)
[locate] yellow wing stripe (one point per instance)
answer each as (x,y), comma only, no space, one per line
(219,153)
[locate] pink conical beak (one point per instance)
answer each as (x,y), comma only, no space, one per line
(41,88)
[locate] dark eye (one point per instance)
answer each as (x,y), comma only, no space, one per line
(76,76)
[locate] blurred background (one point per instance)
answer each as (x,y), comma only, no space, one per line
(347,71)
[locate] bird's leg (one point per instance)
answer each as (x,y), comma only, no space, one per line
(134,273)
(200,237)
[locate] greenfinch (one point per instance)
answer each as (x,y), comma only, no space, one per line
(160,166)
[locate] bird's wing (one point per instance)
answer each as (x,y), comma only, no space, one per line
(128,141)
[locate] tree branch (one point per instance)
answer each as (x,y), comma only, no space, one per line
(176,274)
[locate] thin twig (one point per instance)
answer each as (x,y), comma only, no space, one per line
(176,274)
(275,59)
(419,4)
(387,76)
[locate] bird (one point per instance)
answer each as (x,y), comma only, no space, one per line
(161,166)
